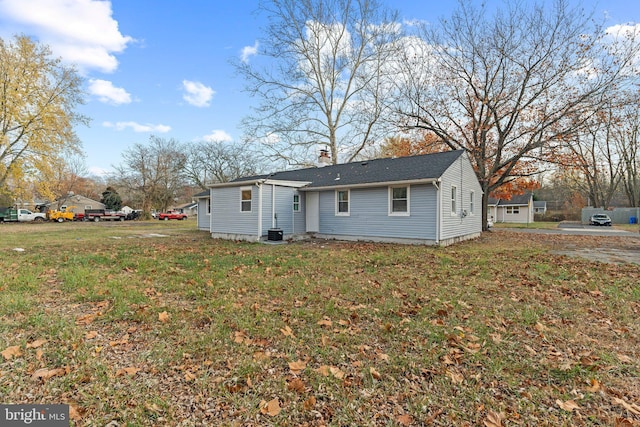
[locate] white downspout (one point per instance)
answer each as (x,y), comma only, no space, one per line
(438,210)
(259,210)
(273,206)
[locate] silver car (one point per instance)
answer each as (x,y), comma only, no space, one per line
(600,219)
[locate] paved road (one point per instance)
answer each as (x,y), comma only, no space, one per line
(576,229)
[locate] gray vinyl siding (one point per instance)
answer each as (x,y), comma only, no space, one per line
(369,214)
(227,217)
(204,217)
(461,175)
(288,221)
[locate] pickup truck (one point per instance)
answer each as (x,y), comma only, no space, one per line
(166,216)
(20,215)
(97,215)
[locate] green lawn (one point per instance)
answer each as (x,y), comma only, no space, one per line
(154,323)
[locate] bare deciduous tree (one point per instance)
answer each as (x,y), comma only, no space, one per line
(512,87)
(215,161)
(152,173)
(320,77)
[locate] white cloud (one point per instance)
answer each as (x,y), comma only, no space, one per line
(108,93)
(197,94)
(98,171)
(82,32)
(249,51)
(137,127)
(218,135)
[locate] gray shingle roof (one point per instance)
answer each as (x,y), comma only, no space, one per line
(520,200)
(426,166)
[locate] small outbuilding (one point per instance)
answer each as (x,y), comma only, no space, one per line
(432,199)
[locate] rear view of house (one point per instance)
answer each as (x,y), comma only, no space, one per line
(428,199)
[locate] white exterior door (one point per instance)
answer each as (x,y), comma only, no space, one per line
(312,207)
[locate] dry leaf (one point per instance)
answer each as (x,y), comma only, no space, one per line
(375,374)
(456,377)
(494,419)
(91,335)
(404,420)
(131,371)
(163,317)
(323,370)
(74,414)
(568,406)
(271,407)
(45,373)
(13,351)
(336,372)
(188,377)
(624,359)
(36,344)
(86,319)
(297,367)
(39,354)
(296,385)
(310,403)
(287,332)
(631,407)
(325,322)
(595,386)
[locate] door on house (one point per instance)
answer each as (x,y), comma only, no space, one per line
(312,206)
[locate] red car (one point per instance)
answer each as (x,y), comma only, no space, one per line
(172,215)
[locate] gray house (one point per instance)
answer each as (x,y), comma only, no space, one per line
(429,199)
(517,209)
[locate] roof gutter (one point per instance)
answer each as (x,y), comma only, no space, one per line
(373,184)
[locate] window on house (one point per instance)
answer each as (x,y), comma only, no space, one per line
(472,202)
(245,201)
(209,206)
(342,202)
(399,200)
(513,210)
(454,199)
(296,203)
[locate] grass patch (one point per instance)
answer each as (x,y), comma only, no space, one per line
(143,329)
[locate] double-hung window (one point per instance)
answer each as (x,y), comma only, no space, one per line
(342,202)
(472,202)
(245,199)
(399,201)
(296,203)
(454,200)
(513,210)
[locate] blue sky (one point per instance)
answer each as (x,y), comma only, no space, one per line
(162,67)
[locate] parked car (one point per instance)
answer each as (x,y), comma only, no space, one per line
(171,215)
(600,219)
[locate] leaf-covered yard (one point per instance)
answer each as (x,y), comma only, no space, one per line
(158,324)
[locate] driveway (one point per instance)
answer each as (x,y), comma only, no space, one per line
(575,228)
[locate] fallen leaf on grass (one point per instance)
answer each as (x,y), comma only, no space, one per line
(287,332)
(494,419)
(13,351)
(86,319)
(36,343)
(296,385)
(298,366)
(631,407)
(330,370)
(90,335)
(163,317)
(568,406)
(45,373)
(375,374)
(188,377)
(310,403)
(271,408)
(325,322)
(595,386)
(624,359)
(131,371)
(404,420)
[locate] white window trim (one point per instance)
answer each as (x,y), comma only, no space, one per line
(513,210)
(243,189)
(408,212)
(472,202)
(348,212)
(454,200)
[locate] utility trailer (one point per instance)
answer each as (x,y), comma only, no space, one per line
(103,215)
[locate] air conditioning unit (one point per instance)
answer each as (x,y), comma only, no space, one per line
(274,234)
